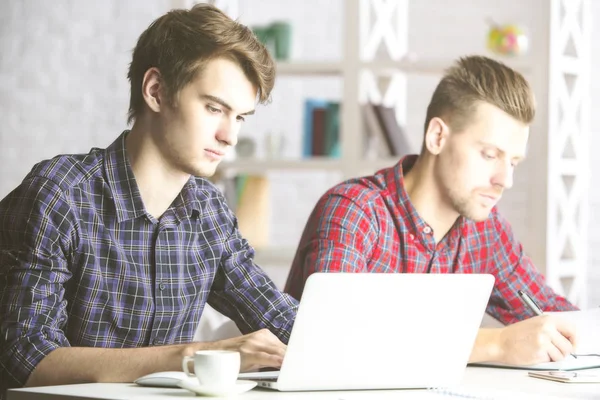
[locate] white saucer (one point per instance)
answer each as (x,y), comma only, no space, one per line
(203,390)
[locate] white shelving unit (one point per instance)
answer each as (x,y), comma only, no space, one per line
(358,69)
(369,25)
(429,67)
(568,143)
(258,166)
(372,25)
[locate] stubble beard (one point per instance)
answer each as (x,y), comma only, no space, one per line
(468,208)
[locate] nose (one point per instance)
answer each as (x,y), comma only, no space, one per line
(227,132)
(503,177)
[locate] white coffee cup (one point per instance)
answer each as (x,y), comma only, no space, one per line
(214,368)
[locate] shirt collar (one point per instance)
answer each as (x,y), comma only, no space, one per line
(405,164)
(126,193)
(187,204)
(423,230)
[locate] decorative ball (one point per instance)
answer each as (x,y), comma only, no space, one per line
(507,40)
(245,147)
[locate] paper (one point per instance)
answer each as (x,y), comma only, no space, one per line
(587,324)
(568,364)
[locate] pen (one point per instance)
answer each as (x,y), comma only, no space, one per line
(532,306)
(530,303)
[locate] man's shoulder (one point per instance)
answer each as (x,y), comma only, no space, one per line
(50,180)
(205,188)
(360,190)
(210,201)
(209,196)
(69,170)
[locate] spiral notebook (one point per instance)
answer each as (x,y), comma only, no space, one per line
(476,393)
(458,393)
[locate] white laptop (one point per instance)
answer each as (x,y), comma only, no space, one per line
(381,331)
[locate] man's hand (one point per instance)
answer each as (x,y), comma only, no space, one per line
(258,349)
(536,340)
(68,365)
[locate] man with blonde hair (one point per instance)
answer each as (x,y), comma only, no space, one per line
(436,212)
(107,259)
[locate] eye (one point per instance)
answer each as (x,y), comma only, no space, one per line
(488,156)
(240,118)
(212,109)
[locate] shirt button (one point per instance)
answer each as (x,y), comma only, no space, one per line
(162,286)
(427,230)
(411,236)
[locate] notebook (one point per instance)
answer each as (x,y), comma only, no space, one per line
(587,324)
(382,331)
(568,364)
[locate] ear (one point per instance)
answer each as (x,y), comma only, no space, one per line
(152,89)
(436,136)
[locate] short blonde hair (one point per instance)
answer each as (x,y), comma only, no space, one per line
(475,79)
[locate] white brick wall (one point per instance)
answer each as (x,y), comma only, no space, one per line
(63,87)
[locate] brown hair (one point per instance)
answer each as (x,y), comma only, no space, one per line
(182,42)
(477,79)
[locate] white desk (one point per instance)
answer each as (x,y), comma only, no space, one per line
(494,383)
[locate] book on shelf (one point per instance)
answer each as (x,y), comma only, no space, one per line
(309,106)
(321,128)
(377,142)
(318,131)
(387,134)
(249,198)
(332,130)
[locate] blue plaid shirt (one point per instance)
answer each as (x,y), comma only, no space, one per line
(83,264)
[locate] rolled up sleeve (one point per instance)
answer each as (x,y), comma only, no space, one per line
(243,292)
(35,228)
(515,271)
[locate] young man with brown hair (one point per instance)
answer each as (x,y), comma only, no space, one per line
(107,259)
(436,212)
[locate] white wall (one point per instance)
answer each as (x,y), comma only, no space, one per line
(594,234)
(63,88)
(63,85)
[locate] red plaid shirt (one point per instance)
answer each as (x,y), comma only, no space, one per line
(369,225)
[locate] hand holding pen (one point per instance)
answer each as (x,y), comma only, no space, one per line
(533,306)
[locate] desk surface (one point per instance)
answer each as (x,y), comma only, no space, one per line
(490,383)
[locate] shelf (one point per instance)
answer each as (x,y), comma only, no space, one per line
(275,256)
(372,166)
(261,165)
(438,66)
(309,68)
(423,66)
(257,166)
